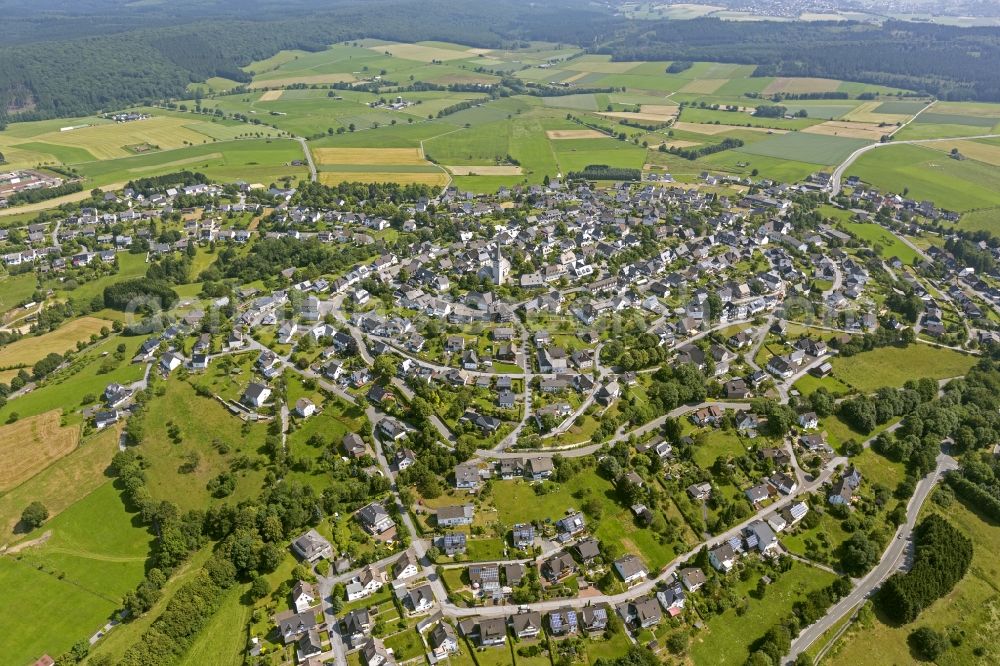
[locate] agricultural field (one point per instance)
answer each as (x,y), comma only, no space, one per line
(480,147)
(61,484)
(73,579)
(929,174)
(813,148)
(32,348)
(31,444)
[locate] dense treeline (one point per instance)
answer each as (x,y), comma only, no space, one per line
(270,256)
(679,66)
(139,293)
(950,62)
(153,184)
(883,336)
(978,484)
(605,172)
(694,153)
(970,254)
(43,194)
(103,71)
(318,195)
(942,557)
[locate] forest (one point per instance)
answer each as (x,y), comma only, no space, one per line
(67,68)
(949,62)
(943,555)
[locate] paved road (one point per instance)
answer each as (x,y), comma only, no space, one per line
(589,449)
(650,584)
(838,173)
(309,158)
(891,561)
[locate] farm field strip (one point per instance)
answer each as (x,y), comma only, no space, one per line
(31,444)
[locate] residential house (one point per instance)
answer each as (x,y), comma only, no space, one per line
(527,624)
(450,516)
(631,568)
(722,557)
(375,519)
(312,546)
(303,596)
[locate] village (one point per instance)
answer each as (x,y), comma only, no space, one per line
(628,360)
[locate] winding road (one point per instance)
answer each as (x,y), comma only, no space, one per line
(892,560)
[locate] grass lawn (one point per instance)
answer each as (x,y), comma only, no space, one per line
(203,423)
(32,348)
(62,483)
(971,609)
(879,470)
(73,583)
(616,646)
(15,289)
(729,634)
(63,390)
(129,266)
(517,502)
(893,366)
(715,443)
(818,543)
(405,645)
(809,384)
(890,245)
(223,640)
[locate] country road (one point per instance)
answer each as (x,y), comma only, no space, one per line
(891,560)
(309,158)
(836,179)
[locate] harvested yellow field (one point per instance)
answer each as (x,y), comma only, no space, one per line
(661,109)
(598,67)
(865,113)
(800,85)
(33,348)
(575,77)
(271,95)
(62,483)
(486,170)
(423,178)
(681,144)
(58,201)
(981,152)
(575,134)
(704,86)
(368,156)
(423,53)
(31,444)
(463,79)
(712,130)
(175,163)
(307,80)
(108,141)
(648,117)
(869,131)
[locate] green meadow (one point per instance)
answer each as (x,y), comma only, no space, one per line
(929,174)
